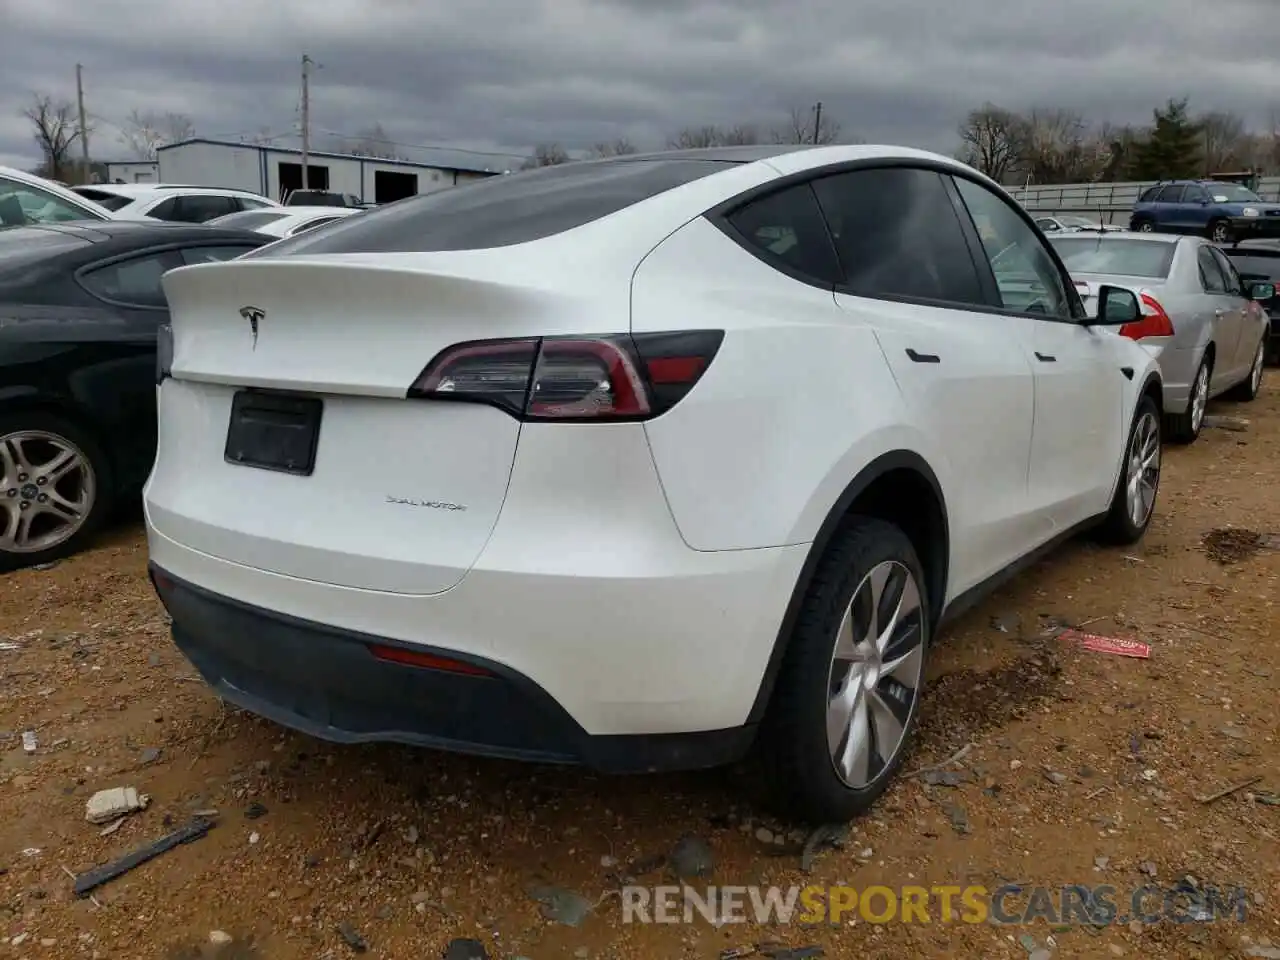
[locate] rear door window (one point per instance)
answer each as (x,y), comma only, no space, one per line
(197,208)
(134,282)
(503,210)
(1211,278)
(1171,194)
(897,235)
(1229,275)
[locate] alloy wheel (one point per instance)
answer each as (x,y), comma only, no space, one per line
(1259,361)
(1145,227)
(47,490)
(1219,233)
(1143,475)
(1199,398)
(877,666)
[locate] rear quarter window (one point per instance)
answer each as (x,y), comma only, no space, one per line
(503,210)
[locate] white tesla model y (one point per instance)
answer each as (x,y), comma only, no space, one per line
(636,463)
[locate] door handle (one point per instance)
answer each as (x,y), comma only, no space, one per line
(1045,358)
(923,357)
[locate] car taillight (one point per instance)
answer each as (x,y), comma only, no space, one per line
(590,378)
(1154,323)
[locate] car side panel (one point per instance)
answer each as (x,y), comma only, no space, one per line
(798,399)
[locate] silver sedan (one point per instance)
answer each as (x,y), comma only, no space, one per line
(1208,332)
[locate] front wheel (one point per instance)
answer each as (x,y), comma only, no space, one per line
(1134,499)
(847,699)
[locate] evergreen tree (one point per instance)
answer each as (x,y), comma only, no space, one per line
(1171,150)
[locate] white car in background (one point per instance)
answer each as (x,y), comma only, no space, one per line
(173,202)
(26,199)
(284,221)
(639,462)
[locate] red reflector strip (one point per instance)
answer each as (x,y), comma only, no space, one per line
(675,369)
(413,658)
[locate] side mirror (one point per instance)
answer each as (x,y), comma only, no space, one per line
(1116,307)
(1262,291)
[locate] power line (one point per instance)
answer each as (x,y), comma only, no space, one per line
(421,146)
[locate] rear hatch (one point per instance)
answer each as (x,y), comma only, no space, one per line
(401,494)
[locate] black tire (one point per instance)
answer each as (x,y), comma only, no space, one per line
(1185,427)
(1219,231)
(1248,389)
(792,753)
(98,467)
(1142,225)
(1119,528)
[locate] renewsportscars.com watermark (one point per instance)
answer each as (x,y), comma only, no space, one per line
(1006,905)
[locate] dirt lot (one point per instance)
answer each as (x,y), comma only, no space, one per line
(1085,768)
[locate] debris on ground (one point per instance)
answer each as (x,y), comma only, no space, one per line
(1115,646)
(28,742)
(107,805)
(1227,545)
(831,836)
(1227,791)
(1235,424)
(562,906)
(462,948)
(92,879)
(691,857)
(351,937)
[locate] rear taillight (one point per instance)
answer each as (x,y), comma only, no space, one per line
(613,377)
(164,352)
(1154,323)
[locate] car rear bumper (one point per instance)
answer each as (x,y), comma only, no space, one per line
(328,683)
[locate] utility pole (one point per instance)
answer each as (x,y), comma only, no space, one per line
(84,129)
(817,120)
(306,115)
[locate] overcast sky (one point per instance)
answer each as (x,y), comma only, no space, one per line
(500,75)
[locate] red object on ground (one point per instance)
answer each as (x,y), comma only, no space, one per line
(1116,646)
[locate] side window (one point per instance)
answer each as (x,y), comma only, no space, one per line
(248,203)
(135,282)
(197,208)
(898,235)
(22,204)
(195,255)
(1026,275)
(1148,194)
(166,210)
(1171,194)
(1229,274)
(311,224)
(1211,276)
(1196,194)
(1047,225)
(786,229)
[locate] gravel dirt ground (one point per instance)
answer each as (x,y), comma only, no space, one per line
(1084,768)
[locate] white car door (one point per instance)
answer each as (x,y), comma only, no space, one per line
(1080,426)
(962,369)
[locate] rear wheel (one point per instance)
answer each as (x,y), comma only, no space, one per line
(54,489)
(847,700)
(1185,427)
(1220,231)
(1134,500)
(1248,388)
(1143,225)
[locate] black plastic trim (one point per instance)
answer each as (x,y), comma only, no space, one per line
(894,460)
(335,673)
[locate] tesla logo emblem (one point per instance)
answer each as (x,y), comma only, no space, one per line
(254,316)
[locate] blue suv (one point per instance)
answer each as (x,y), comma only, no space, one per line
(1223,212)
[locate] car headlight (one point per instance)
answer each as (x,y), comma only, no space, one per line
(1249,211)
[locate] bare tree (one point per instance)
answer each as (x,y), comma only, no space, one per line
(614,148)
(1226,142)
(1054,150)
(700,138)
(144,133)
(992,140)
(807,125)
(546,155)
(56,130)
(261,137)
(372,142)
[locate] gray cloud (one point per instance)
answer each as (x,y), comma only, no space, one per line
(500,75)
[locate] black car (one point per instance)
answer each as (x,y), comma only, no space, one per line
(1259,260)
(80,307)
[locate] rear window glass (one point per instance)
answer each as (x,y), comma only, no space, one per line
(112,201)
(1263,266)
(502,210)
(1121,258)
